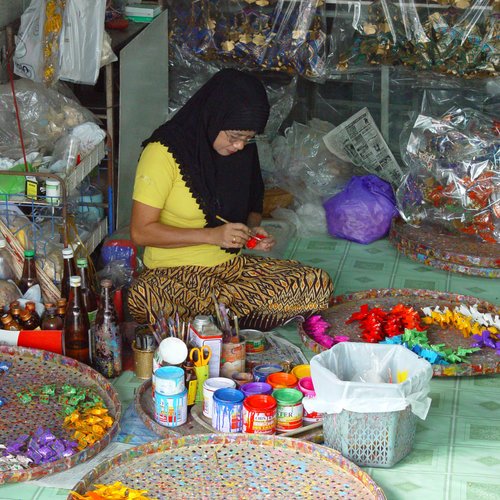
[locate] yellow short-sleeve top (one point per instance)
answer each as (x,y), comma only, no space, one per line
(159,184)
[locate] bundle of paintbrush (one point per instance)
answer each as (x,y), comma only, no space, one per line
(165,326)
(230,333)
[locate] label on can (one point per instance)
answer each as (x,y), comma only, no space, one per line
(289,417)
(259,420)
(171,411)
(227,409)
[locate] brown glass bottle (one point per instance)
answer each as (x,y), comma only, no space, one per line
(15,312)
(61,308)
(88,292)
(69,269)
(28,321)
(51,321)
(76,325)
(14,304)
(31,307)
(191,382)
(106,337)
(9,323)
(29,276)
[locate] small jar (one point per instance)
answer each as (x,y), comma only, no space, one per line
(53,191)
(9,323)
(28,321)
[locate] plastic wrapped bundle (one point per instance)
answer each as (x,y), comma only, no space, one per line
(265,34)
(454,176)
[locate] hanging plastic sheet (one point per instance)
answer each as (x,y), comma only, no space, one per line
(454,177)
(261,34)
(460,37)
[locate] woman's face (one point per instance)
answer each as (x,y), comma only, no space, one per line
(229,142)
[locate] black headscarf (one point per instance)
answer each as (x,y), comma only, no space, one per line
(231,186)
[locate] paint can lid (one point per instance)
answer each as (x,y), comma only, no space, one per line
(260,402)
(253,388)
(228,396)
(169,372)
(287,396)
(282,380)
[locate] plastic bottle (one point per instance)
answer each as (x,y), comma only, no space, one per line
(69,269)
(51,321)
(88,293)
(6,263)
(107,341)
(76,325)
(29,277)
(9,323)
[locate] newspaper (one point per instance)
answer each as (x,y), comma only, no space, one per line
(359,141)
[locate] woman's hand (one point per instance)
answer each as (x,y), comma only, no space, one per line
(265,244)
(231,235)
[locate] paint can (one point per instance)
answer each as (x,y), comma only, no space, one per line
(301,371)
(242,378)
(306,387)
(171,411)
(254,341)
(168,380)
(253,388)
(261,372)
(259,414)
(290,409)
(232,358)
(209,387)
(227,410)
(282,380)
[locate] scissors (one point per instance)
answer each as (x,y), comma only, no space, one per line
(200,356)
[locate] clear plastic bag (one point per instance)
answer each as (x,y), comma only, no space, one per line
(460,39)
(264,34)
(454,176)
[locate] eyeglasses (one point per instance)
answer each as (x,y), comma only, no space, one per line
(233,138)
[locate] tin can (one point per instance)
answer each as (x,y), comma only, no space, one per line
(168,380)
(282,380)
(227,410)
(171,411)
(232,358)
(301,371)
(254,341)
(209,387)
(259,414)
(261,372)
(290,409)
(306,387)
(253,388)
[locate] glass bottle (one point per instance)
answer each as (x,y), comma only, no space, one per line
(76,325)
(28,321)
(69,269)
(29,276)
(15,312)
(9,323)
(191,382)
(6,262)
(51,321)
(14,304)
(88,292)
(31,307)
(107,341)
(61,308)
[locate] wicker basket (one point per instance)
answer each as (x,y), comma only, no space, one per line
(275,198)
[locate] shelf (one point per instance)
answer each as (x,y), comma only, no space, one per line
(97,235)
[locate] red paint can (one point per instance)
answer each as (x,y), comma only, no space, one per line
(259,414)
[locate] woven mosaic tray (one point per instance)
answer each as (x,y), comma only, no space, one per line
(239,466)
(437,247)
(32,368)
(481,362)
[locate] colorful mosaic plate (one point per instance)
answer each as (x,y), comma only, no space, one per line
(32,368)
(435,246)
(242,466)
(342,307)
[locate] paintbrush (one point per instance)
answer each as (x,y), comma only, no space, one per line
(217,312)
(218,217)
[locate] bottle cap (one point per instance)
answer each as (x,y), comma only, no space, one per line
(106,283)
(3,243)
(82,262)
(29,253)
(67,253)
(75,281)
(6,318)
(30,305)
(25,315)
(61,302)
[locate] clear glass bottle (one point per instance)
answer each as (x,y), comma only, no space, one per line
(29,276)
(6,262)
(69,269)
(76,325)
(107,341)
(88,292)
(9,323)
(51,321)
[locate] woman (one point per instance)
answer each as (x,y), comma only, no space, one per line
(198,198)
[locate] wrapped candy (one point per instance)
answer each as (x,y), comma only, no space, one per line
(115,491)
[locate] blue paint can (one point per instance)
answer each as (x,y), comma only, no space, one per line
(168,380)
(171,411)
(227,410)
(261,372)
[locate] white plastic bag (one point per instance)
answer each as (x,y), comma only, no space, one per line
(81,41)
(332,372)
(28,60)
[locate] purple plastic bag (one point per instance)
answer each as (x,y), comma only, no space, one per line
(362,211)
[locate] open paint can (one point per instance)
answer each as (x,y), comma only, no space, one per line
(227,410)
(282,380)
(253,388)
(168,380)
(259,414)
(209,387)
(306,387)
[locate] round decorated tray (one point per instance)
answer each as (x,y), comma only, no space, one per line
(435,246)
(224,465)
(31,369)
(482,362)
